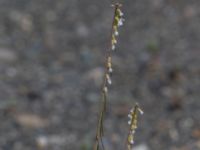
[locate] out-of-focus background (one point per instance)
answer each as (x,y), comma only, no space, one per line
(51,65)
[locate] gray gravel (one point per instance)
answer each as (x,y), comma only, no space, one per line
(51,58)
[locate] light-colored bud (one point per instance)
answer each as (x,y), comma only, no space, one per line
(105,89)
(116,33)
(108,79)
(110,70)
(113,47)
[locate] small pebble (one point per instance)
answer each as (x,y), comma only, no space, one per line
(141,147)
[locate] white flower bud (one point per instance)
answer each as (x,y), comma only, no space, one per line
(105,89)
(131,142)
(129,116)
(116,33)
(129,122)
(108,79)
(113,47)
(110,70)
(120,23)
(141,112)
(121,14)
(131,111)
(133,131)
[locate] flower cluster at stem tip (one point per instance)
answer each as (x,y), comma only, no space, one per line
(118,21)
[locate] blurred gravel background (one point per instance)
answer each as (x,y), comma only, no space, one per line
(51,58)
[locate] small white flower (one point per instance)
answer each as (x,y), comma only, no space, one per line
(110,70)
(120,23)
(109,81)
(130,116)
(129,122)
(121,14)
(116,33)
(113,47)
(114,41)
(131,111)
(131,142)
(141,112)
(105,89)
(133,131)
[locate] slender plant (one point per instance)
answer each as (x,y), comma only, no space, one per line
(116,23)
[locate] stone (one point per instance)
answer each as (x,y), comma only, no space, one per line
(141,147)
(7,55)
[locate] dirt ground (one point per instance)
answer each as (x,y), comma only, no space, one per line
(51,65)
